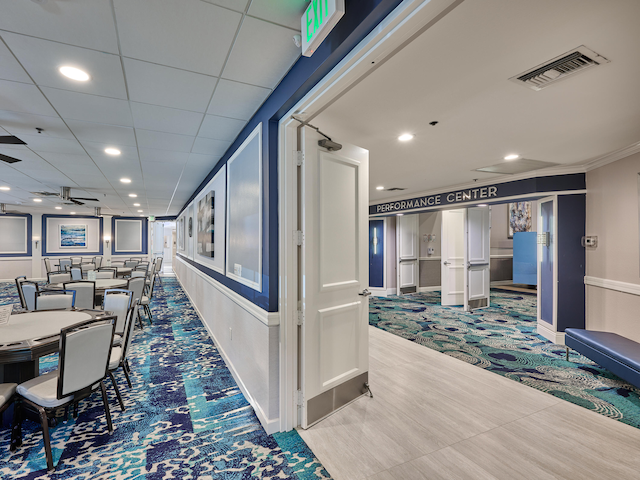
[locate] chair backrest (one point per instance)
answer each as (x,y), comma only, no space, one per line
(117,264)
(158,264)
(54,299)
(86,267)
(128,334)
(29,290)
(19,281)
(85,293)
(138,274)
(58,277)
(136,285)
(118,301)
(105,274)
(76,273)
(151,286)
(131,263)
(76,260)
(97,261)
(64,263)
(85,350)
(47,264)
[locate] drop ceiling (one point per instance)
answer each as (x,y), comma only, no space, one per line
(172,85)
(457,73)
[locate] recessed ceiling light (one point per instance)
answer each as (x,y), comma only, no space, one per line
(133,195)
(380,188)
(512,156)
(399,214)
(139,211)
(5,188)
(136,204)
(405,137)
(74,74)
(112,151)
(37,200)
(58,208)
(125,180)
(72,213)
(481,205)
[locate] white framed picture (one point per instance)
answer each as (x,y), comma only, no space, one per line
(73,236)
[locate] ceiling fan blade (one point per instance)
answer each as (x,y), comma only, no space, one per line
(11,140)
(8,159)
(86,199)
(76,201)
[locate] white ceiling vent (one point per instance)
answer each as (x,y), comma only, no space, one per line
(520,166)
(559,68)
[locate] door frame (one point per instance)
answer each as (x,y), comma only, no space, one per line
(550,334)
(407,21)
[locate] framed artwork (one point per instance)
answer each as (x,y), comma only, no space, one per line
(519,218)
(73,236)
(205,219)
(180,233)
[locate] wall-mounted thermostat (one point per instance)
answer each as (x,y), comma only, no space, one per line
(590,241)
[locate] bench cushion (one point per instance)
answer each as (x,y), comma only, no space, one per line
(616,353)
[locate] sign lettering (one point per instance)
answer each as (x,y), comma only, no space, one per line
(441,199)
(318,20)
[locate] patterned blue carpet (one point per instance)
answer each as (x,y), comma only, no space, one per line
(503,340)
(185,417)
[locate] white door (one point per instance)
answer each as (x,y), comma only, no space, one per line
(335,275)
(407,253)
(452,257)
(478,254)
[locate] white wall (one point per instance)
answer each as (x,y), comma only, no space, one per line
(247,337)
(612,215)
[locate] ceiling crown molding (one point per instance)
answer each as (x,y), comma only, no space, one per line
(612,157)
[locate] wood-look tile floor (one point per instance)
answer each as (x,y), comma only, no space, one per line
(436,417)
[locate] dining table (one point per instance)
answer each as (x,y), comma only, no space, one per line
(29,335)
(102,284)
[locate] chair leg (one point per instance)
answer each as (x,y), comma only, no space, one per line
(140,324)
(126,375)
(105,402)
(16,427)
(127,366)
(115,387)
(45,433)
(75,410)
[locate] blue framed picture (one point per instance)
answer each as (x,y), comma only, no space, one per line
(73,236)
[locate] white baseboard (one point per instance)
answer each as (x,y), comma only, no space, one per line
(392,291)
(270,425)
(625,287)
(435,288)
(379,292)
(549,334)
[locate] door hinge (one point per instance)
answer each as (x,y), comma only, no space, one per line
(299,158)
(300,398)
(299,237)
(300,317)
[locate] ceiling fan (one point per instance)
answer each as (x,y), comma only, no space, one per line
(65,194)
(10,140)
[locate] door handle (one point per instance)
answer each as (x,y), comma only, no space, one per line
(446,263)
(365,293)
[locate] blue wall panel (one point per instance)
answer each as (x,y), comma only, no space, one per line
(376,254)
(525,258)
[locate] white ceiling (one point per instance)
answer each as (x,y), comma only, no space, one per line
(172,85)
(457,73)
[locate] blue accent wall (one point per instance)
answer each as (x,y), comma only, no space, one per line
(571,261)
(145,235)
(29,236)
(71,253)
(361,17)
(376,254)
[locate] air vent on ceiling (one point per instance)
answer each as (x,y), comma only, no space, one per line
(8,159)
(559,68)
(394,189)
(520,166)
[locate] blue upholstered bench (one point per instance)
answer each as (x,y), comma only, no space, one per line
(614,352)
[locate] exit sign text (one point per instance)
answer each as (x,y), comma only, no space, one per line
(318,20)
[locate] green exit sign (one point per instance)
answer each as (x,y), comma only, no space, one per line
(318,20)
(152,218)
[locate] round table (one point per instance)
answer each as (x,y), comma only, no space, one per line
(101,284)
(31,335)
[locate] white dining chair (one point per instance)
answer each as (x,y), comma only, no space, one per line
(64,264)
(54,299)
(97,262)
(76,273)
(85,352)
(27,291)
(105,274)
(136,286)
(118,301)
(58,277)
(119,358)
(85,293)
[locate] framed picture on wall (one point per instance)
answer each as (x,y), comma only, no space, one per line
(180,233)
(205,218)
(73,236)
(519,218)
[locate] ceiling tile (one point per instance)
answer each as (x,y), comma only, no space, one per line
(97,153)
(25,124)
(221,128)
(163,119)
(10,69)
(209,146)
(42,59)
(148,155)
(237,5)
(91,108)
(192,35)
(169,87)
(237,100)
(164,141)
(207,160)
(86,23)
(107,134)
(262,54)
(20,97)
(41,143)
(283,12)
